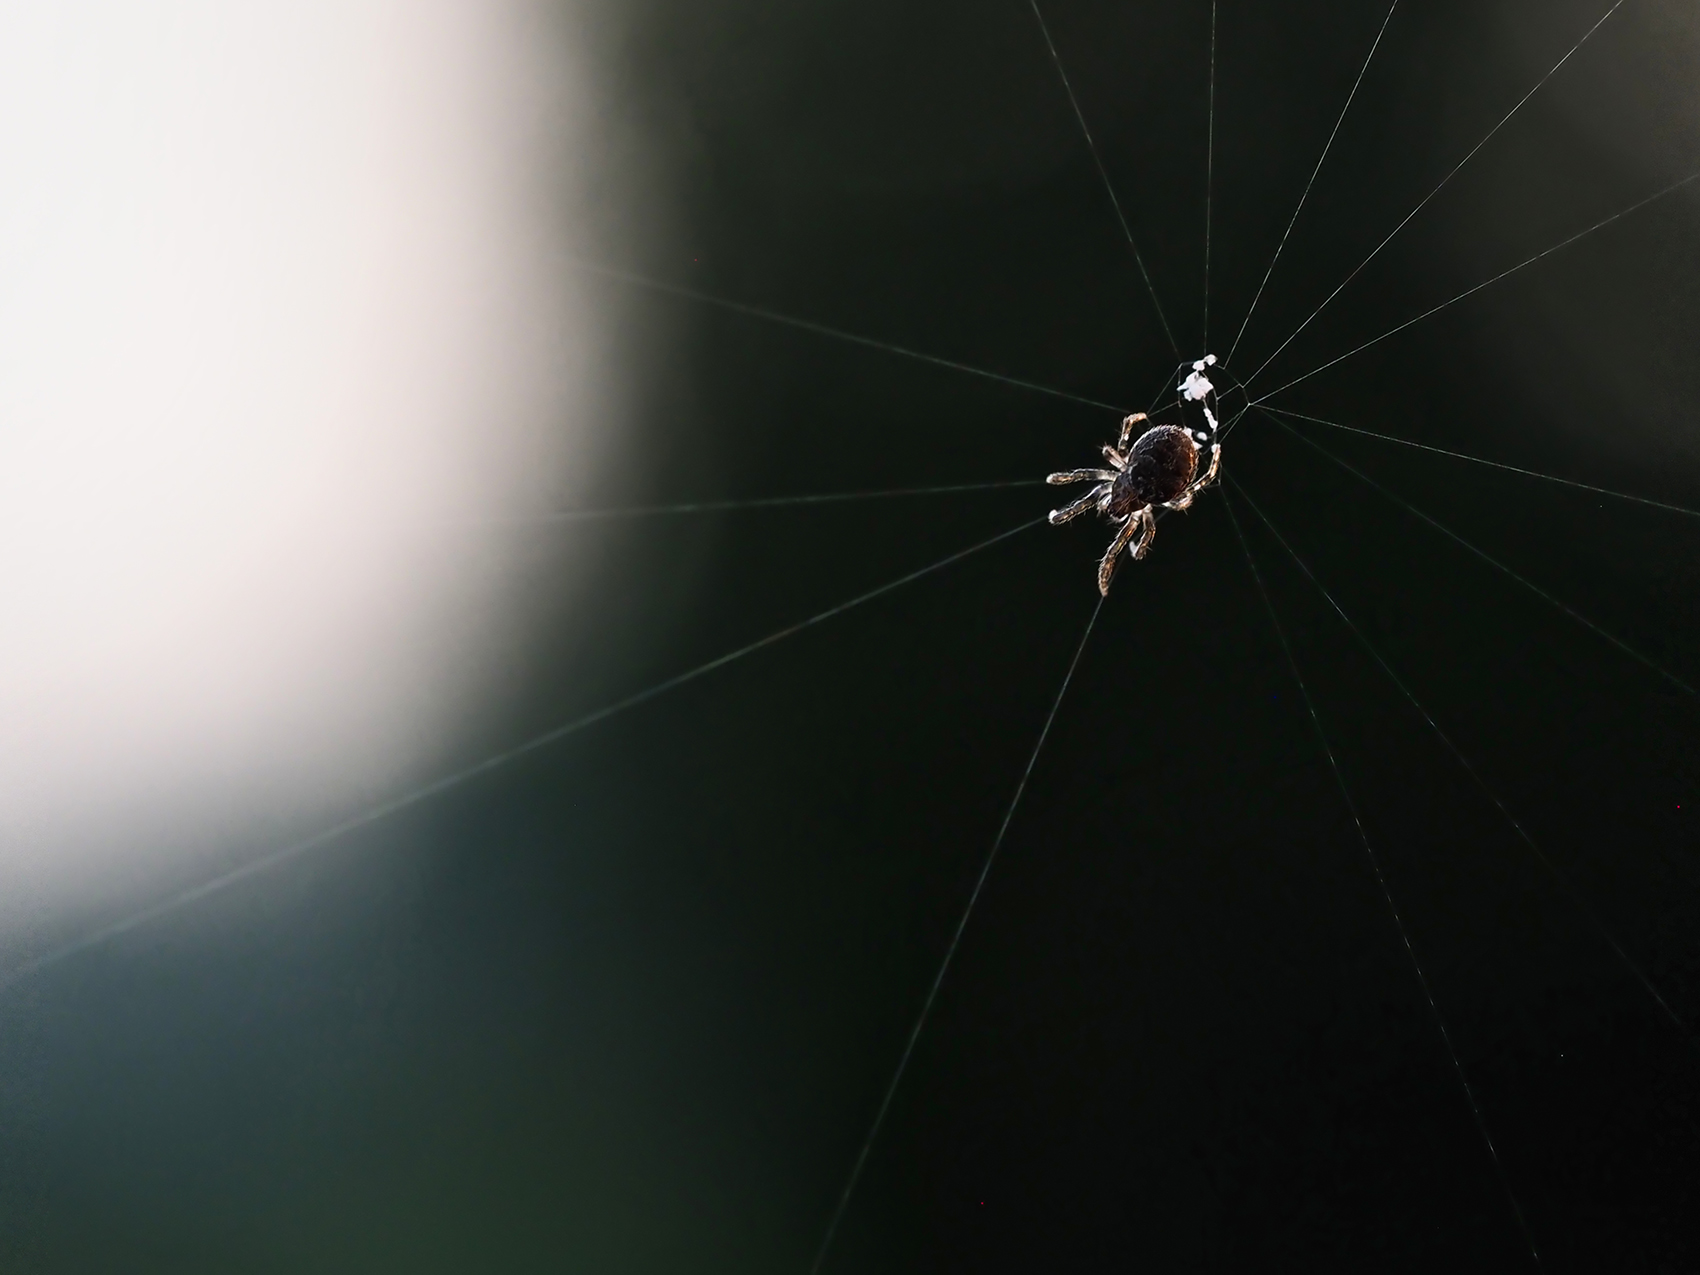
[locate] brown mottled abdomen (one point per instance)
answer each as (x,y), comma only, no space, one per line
(1161,467)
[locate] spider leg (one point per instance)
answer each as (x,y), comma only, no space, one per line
(1127,427)
(1149,520)
(1081,475)
(1143,520)
(1088,501)
(1215,464)
(1114,457)
(1184,500)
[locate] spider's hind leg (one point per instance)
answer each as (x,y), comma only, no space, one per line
(1215,465)
(1067,512)
(1127,427)
(1185,499)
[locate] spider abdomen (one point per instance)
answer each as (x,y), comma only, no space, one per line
(1160,467)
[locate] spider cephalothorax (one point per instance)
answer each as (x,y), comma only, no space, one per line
(1160,469)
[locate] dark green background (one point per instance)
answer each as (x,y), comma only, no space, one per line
(629,1004)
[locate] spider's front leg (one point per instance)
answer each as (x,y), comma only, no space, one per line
(1149,521)
(1127,428)
(1142,521)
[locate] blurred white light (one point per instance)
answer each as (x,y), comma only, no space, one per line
(276,303)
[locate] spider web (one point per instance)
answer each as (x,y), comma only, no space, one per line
(1280,416)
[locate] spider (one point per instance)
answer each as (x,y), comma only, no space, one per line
(1158,470)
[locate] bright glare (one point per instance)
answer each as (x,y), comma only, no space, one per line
(276,304)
